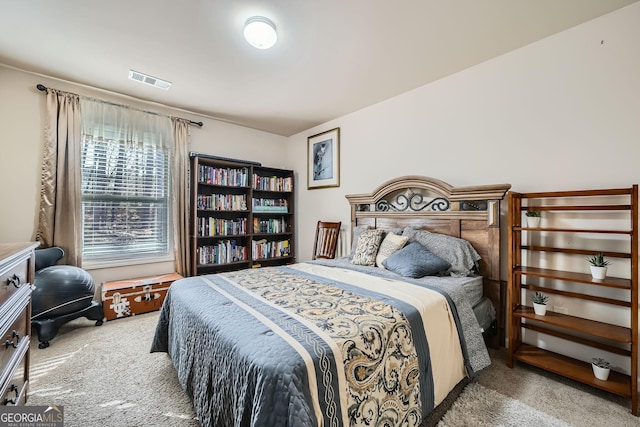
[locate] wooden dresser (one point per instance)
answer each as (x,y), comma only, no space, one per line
(16,276)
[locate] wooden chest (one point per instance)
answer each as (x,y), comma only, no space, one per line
(124,298)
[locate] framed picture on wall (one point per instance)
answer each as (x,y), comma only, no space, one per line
(323,159)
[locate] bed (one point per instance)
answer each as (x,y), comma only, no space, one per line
(343,342)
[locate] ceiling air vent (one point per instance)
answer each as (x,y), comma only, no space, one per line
(146,79)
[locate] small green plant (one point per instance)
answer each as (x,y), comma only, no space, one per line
(598,260)
(600,362)
(540,298)
(533,214)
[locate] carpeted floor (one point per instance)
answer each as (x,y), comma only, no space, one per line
(105,376)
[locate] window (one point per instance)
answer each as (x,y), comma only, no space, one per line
(125,192)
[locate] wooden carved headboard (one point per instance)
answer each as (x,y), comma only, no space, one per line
(470,213)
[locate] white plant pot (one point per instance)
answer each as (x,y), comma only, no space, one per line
(600,373)
(540,309)
(598,273)
(533,221)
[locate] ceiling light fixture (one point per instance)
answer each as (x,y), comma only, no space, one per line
(260,32)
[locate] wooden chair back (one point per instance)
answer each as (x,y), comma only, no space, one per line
(326,240)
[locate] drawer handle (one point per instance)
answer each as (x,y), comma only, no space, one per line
(11,343)
(15,281)
(12,401)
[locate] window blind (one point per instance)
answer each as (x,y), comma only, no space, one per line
(125,198)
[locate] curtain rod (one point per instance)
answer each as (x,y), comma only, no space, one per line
(43,88)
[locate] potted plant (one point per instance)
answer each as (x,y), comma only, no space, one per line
(540,303)
(601,368)
(533,218)
(598,265)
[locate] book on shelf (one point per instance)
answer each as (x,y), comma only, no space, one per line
(269,225)
(272,183)
(276,209)
(227,177)
(223,252)
(270,205)
(222,202)
(262,249)
(212,227)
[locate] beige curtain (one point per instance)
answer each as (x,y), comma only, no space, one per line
(180,191)
(59,217)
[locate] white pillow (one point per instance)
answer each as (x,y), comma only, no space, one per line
(391,243)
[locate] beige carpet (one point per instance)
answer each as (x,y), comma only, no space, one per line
(105,376)
(481,406)
(567,401)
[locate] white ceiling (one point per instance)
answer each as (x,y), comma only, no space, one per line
(333,57)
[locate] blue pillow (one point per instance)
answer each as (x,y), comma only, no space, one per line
(414,260)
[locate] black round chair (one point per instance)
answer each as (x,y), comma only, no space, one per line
(61,293)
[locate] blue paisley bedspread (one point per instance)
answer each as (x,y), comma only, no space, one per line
(311,345)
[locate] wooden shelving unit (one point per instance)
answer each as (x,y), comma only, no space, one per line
(269,226)
(242,215)
(525,275)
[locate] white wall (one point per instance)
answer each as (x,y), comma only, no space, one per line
(22,108)
(562,113)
